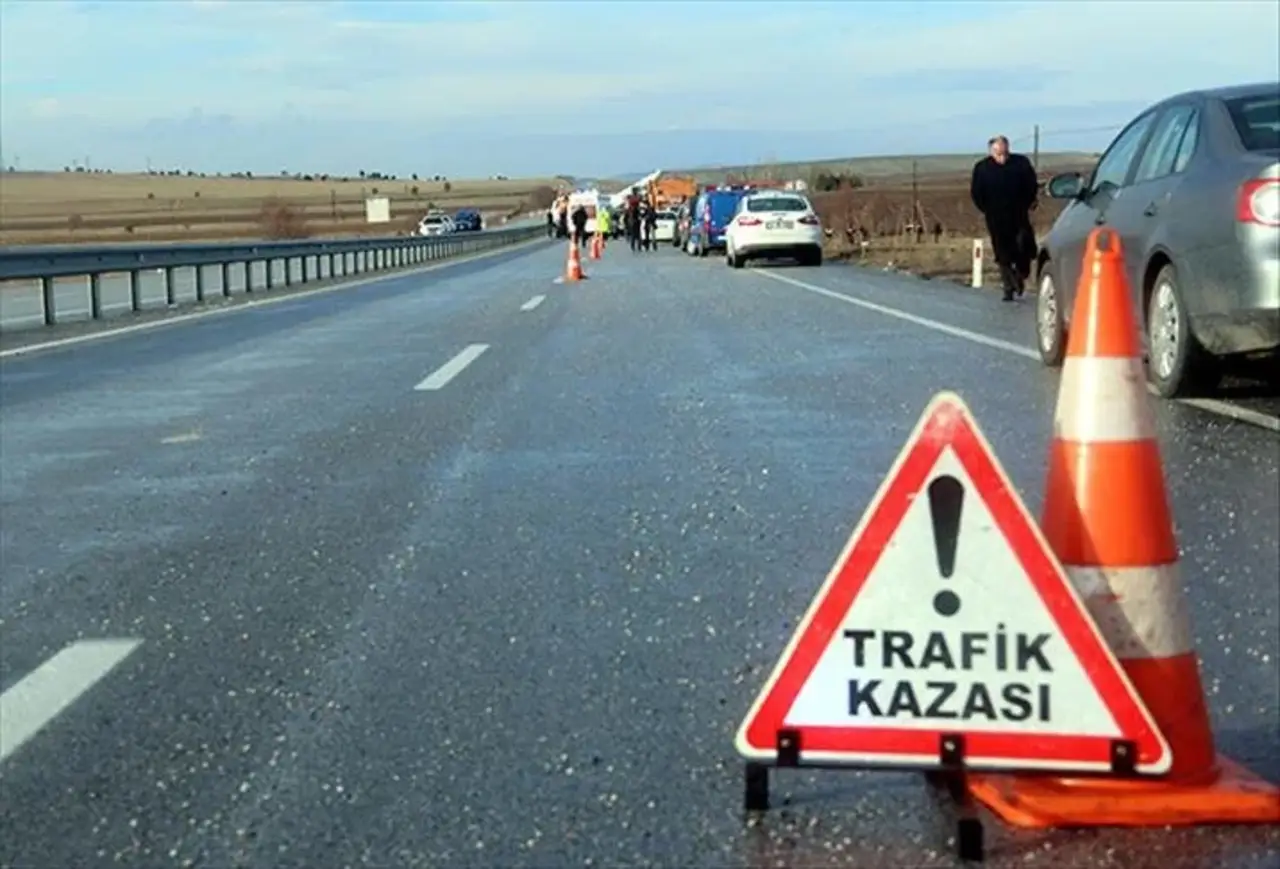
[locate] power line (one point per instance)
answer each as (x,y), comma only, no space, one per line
(1077,131)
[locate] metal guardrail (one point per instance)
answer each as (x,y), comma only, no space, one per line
(303,262)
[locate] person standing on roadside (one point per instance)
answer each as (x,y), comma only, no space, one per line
(1004,189)
(633,222)
(579,218)
(651,228)
(551,222)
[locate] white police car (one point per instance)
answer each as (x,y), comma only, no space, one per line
(774,223)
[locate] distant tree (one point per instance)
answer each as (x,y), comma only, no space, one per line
(362,174)
(415,176)
(541,198)
(248,174)
(826,182)
(66,168)
(447,187)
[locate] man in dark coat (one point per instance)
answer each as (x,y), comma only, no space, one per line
(1004,189)
(579,218)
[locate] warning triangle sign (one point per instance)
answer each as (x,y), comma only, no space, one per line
(948,615)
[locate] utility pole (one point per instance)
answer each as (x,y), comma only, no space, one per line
(1035,148)
(915,201)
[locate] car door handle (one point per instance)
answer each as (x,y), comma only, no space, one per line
(1150,210)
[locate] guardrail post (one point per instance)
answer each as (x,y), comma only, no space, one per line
(49,300)
(226,280)
(169,296)
(95,296)
(198,276)
(269,273)
(135,290)
(248,276)
(302,265)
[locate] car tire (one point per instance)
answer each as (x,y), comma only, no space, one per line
(689,247)
(702,251)
(734,260)
(1051,327)
(813,257)
(1178,366)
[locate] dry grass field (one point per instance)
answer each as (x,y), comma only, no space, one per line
(71,207)
(934,240)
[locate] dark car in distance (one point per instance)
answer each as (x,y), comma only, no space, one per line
(468,220)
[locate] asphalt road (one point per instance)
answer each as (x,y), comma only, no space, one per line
(471,568)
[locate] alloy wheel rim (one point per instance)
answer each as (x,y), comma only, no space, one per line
(1164,330)
(1048,305)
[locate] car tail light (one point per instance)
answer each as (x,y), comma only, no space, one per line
(749,221)
(1259,202)
(809,220)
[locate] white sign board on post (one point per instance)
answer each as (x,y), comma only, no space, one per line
(948,620)
(377,209)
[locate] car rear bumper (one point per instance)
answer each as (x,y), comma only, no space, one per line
(1243,331)
(771,240)
(1246,318)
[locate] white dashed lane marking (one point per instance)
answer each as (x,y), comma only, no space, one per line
(47,691)
(441,377)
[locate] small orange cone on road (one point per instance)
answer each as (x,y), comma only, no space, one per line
(596,246)
(1107,517)
(573,270)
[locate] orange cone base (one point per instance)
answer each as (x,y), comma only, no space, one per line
(1233,796)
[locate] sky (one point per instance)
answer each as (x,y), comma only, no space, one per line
(469,89)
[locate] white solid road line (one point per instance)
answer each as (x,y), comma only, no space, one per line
(1210,405)
(256,303)
(533,303)
(53,686)
(440,378)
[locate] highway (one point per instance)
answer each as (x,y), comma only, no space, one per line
(467,567)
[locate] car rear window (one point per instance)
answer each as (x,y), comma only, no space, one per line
(1257,120)
(431,220)
(777,203)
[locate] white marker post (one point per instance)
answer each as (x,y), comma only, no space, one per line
(976,280)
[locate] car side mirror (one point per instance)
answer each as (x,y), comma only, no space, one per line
(1069,185)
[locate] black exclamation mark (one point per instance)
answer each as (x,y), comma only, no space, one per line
(946,499)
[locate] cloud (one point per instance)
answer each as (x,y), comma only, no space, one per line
(523,81)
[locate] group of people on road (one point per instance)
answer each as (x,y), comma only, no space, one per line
(640,220)
(1004,188)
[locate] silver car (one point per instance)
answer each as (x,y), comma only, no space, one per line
(1192,188)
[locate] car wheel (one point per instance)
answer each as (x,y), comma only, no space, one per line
(814,257)
(689,247)
(1051,330)
(734,260)
(1177,365)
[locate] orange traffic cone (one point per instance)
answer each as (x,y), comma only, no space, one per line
(1107,517)
(573,270)
(595,246)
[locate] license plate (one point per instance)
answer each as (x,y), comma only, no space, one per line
(780,224)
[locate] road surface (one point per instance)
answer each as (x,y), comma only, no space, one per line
(471,568)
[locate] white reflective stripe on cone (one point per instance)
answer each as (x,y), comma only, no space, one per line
(1140,611)
(1103,400)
